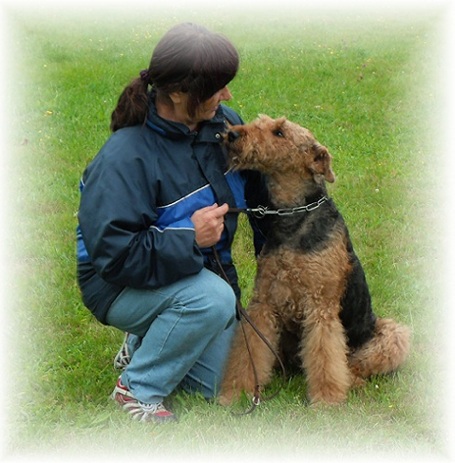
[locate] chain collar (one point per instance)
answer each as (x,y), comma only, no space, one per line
(261,211)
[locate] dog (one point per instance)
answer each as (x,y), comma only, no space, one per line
(309,280)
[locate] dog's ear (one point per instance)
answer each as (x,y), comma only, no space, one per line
(322,162)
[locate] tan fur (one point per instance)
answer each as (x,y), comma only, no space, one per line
(384,353)
(304,289)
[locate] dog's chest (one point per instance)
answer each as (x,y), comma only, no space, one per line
(295,282)
(306,232)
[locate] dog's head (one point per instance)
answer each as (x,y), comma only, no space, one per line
(274,146)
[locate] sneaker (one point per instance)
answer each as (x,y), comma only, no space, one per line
(139,411)
(122,359)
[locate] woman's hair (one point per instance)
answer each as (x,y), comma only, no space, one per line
(190,59)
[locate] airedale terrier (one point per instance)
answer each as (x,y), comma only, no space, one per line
(309,280)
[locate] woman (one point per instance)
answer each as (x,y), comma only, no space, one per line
(154,202)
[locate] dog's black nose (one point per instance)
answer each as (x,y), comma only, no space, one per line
(233,135)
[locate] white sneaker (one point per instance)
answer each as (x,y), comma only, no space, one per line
(123,358)
(138,410)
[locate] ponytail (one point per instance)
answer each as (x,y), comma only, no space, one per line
(132,105)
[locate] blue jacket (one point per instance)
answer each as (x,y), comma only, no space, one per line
(137,197)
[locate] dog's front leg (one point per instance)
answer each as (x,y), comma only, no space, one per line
(324,356)
(250,362)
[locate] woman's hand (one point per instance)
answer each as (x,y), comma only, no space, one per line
(209,224)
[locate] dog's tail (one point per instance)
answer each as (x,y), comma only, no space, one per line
(385,352)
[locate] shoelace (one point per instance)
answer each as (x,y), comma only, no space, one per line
(122,359)
(146,412)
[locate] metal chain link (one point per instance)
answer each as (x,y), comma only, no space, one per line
(262,211)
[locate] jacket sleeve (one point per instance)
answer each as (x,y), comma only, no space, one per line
(117,216)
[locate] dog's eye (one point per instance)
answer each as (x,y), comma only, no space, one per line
(278,133)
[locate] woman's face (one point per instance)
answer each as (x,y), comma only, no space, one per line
(204,112)
(207,109)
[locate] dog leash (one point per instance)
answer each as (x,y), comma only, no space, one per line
(243,315)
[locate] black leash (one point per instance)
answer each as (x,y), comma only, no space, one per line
(243,316)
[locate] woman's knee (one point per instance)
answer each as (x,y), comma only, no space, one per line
(220,298)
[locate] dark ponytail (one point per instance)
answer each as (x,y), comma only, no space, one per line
(132,105)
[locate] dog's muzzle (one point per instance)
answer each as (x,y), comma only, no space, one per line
(232,136)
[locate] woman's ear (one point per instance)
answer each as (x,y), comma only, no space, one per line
(176,97)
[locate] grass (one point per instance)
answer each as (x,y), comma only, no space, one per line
(363,85)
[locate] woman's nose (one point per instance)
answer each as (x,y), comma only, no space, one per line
(226,94)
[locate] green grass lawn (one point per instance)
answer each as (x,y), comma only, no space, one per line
(363,84)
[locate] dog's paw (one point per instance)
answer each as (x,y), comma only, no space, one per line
(226,399)
(357,382)
(315,404)
(327,398)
